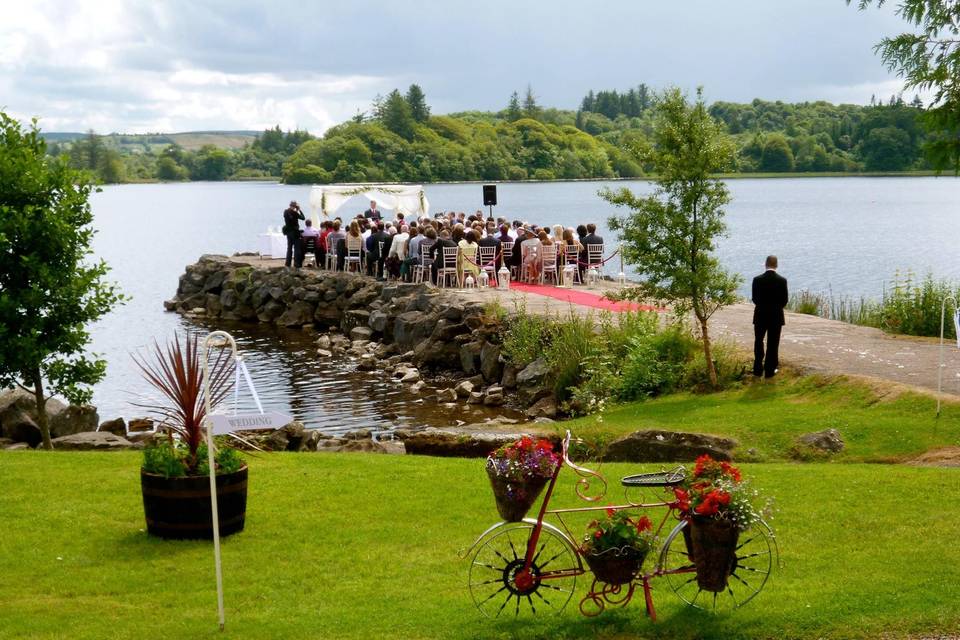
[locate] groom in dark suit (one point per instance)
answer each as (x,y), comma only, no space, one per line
(769,298)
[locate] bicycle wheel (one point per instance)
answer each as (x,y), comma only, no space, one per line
(500,557)
(754,563)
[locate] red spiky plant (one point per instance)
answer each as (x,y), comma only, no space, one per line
(176,371)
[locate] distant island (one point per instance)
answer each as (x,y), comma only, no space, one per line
(399,140)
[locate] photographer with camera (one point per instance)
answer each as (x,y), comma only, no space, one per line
(291,229)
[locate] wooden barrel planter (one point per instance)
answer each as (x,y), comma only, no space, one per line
(179,508)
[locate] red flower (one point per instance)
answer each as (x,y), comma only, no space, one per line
(544,445)
(702,463)
(597,533)
(610,512)
(644,524)
(683,499)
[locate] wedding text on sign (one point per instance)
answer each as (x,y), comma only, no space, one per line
(248,421)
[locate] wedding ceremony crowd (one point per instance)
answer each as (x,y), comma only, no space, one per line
(448,249)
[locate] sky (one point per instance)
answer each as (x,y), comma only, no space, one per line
(190,65)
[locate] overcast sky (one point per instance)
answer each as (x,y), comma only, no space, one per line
(187,65)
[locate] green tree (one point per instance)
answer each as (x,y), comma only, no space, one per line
(418,103)
(930,61)
(169,170)
(210,163)
(51,290)
(777,155)
(397,115)
(670,235)
(887,149)
(514,112)
(530,107)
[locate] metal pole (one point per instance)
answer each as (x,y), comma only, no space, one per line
(943,313)
(221,337)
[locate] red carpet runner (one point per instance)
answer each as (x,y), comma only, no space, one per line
(582,298)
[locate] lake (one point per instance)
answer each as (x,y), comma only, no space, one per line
(845,234)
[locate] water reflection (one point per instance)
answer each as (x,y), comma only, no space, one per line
(331,394)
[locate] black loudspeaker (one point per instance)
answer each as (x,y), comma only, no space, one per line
(489,195)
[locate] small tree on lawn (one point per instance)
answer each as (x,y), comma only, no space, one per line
(670,234)
(49,291)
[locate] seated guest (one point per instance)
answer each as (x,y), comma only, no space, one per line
(309,232)
(557,233)
(456,234)
(516,256)
(336,240)
(591,237)
(504,235)
(581,232)
(375,257)
(530,255)
(436,251)
(467,257)
(352,243)
(398,247)
(569,242)
(490,240)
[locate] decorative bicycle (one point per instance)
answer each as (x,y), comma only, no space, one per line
(531,566)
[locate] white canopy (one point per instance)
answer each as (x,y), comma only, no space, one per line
(409,199)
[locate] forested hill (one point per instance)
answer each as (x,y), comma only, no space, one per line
(399,140)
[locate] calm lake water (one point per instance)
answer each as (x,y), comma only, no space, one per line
(845,234)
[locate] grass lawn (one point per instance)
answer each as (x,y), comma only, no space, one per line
(768,417)
(365,546)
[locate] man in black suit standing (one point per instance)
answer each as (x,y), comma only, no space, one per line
(376,257)
(769,297)
(291,229)
(372,213)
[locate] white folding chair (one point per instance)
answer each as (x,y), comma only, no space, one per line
(486,261)
(466,256)
(421,270)
(330,261)
(448,266)
(595,258)
(549,267)
(572,257)
(354,255)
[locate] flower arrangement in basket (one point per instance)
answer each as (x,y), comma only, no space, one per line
(616,546)
(719,505)
(518,472)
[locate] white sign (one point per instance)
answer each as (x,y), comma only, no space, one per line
(248,422)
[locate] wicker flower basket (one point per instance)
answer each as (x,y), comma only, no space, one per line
(616,566)
(714,546)
(515,497)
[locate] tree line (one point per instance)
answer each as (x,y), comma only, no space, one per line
(398,139)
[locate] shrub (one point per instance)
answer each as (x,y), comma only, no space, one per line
(523,340)
(572,344)
(914,308)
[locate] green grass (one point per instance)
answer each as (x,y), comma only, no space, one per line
(365,546)
(768,416)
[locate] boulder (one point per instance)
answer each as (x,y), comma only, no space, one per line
(534,374)
(361,333)
(379,321)
(358,434)
(18,416)
(74,419)
(493,396)
(446,395)
(475,398)
(543,408)
(411,328)
(299,313)
(324,353)
(368,362)
(116,426)
(417,387)
(654,445)
(323,342)
(91,441)
(828,441)
(355,318)
(490,365)
(287,438)
(470,357)
(410,377)
(464,389)
(454,442)
(140,424)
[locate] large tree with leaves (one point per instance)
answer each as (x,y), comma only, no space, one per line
(929,60)
(670,235)
(50,290)
(418,103)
